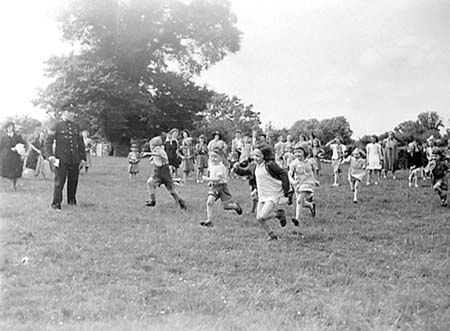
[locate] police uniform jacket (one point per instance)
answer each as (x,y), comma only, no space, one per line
(65,142)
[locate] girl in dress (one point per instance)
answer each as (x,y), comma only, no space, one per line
(338,152)
(133,162)
(272,182)
(390,157)
(374,154)
(302,178)
(186,153)
(201,150)
(317,154)
(356,171)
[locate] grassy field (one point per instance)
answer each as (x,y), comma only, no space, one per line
(113,264)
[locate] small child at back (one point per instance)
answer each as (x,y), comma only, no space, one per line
(133,162)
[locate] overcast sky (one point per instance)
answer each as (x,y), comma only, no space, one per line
(377,63)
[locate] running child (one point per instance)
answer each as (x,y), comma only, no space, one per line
(272,182)
(218,188)
(302,177)
(161,174)
(338,152)
(356,171)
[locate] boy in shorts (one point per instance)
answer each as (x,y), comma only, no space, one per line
(218,189)
(161,174)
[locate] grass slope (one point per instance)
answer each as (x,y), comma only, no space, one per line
(112,264)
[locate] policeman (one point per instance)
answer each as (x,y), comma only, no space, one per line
(68,152)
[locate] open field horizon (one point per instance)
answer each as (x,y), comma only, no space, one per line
(110,263)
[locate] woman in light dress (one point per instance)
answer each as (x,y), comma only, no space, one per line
(374,154)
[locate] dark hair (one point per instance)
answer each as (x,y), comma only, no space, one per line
(267,152)
(376,137)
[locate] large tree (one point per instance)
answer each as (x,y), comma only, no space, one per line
(227,114)
(131,70)
(427,124)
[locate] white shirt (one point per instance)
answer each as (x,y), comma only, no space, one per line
(218,172)
(269,188)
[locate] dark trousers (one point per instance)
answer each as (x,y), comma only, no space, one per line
(70,171)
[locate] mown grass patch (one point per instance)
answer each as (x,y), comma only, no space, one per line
(112,264)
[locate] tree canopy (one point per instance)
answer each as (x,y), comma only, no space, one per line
(131,70)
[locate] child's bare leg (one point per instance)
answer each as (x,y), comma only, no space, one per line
(350,181)
(151,188)
(369,172)
(355,193)
(264,213)
(254,196)
(299,205)
(210,202)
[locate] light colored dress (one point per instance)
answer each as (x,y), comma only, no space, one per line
(374,154)
(303,173)
(356,171)
(338,151)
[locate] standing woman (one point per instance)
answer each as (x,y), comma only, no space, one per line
(171,148)
(390,146)
(35,158)
(11,145)
(374,154)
